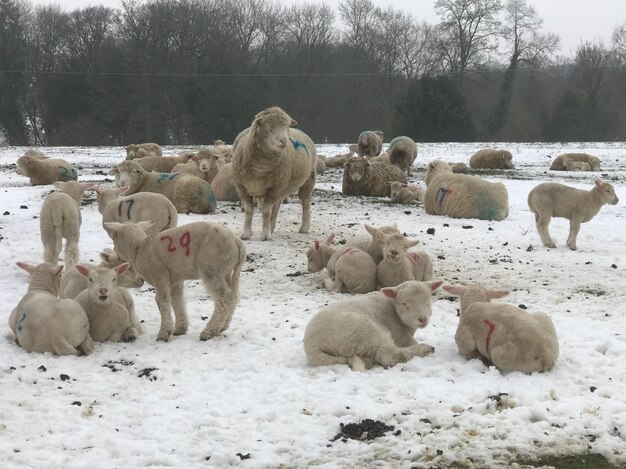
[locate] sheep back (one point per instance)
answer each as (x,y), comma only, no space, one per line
(490,158)
(43,171)
(402,153)
(142,206)
(139,150)
(362,177)
(559,165)
(370,143)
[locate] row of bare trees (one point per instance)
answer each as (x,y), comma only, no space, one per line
(190,71)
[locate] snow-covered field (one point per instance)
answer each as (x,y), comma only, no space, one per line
(248,399)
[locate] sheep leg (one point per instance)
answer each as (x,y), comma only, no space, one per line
(275,209)
(224,306)
(162,297)
(51,247)
(543,222)
(304,194)
(248,206)
(61,346)
(319,358)
(266,213)
(71,252)
(87,345)
(465,342)
(574,228)
(178,303)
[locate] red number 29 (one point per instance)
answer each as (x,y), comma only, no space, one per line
(184,241)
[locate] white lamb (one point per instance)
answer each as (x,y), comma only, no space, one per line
(373,243)
(42,322)
(109,307)
(400,193)
(60,218)
(399,265)
(200,250)
(376,328)
(502,334)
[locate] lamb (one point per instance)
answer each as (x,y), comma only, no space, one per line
(223,184)
(41,322)
(502,334)
(462,195)
(141,150)
(202,164)
(552,200)
(270,162)
(199,250)
(490,158)
(109,307)
(398,265)
(571,165)
(373,244)
(360,177)
(402,153)
(142,206)
(60,218)
(404,194)
(459,167)
(163,164)
(376,328)
(188,193)
(559,165)
(342,158)
(370,143)
(42,171)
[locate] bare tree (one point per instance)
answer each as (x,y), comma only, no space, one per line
(619,43)
(310,28)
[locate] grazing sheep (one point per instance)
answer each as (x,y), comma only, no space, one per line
(60,218)
(42,322)
(552,200)
(42,171)
(163,164)
(402,153)
(271,161)
(376,328)
(188,193)
(404,194)
(571,165)
(490,158)
(142,206)
(370,143)
(559,165)
(223,184)
(502,334)
(361,177)
(203,164)
(373,244)
(109,307)
(141,150)
(459,168)
(399,265)
(200,250)
(463,196)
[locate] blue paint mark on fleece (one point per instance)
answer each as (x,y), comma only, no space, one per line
(166,177)
(209,194)
(20,323)
(298,144)
(65,175)
(441,194)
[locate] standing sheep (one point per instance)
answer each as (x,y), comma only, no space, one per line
(140,150)
(200,250)
(402,153)
(370,143)
(490,158)
(60,218)
(42,322)
(361,177)
(202,164)
(552,200)
(376,328)
(502,334)
(559,164)
(42,171)
(271,161)
(463,196)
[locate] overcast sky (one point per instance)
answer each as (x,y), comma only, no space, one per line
(573,20)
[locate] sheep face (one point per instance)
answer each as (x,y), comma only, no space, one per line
(23,165)
(315,263)
(131,175)
(607,192)
(131,151)
(394,189)
(357,168)
(507,160)
(128,279)
(205,160)
(412,301)
(272,128)
(396,247)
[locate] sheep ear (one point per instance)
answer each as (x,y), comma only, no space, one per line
(86,185)
(598,182)
(317,245)
(371,230)
(456,291)
(24,266)
(412,242)
(330,239)
(121,190)
(147,225)
(82,270)
(112,227)
(389,292)
(108,255)
(122,268)
(435,285)
(292,123)
(58,270)
(98,190)
(496,294)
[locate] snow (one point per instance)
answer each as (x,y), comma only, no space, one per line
(187,403)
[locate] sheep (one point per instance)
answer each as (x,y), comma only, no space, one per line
(202,164)
(141,150)
(342,158)
(360,177)
(223,184)
(187,192)
(142,206)
(109,307)
(43,171)
(270,162)
(398,265)
(376,328)
(502,334)
(163,164)
(382,158)
(72,282)
(320,164)
(459,168)
(370,143)
(41,322)
(199,250)
(553,200)
(571,165)
(224,152)
(60,218)
(402,153)
(559,165)
(404,194)
(463,196)
(490,158)
(373,244)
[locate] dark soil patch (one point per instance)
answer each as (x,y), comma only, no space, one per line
(368,429)
(586,461)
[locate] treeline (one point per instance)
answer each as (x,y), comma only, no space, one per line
(191,71)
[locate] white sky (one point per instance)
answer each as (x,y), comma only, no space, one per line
(573,20)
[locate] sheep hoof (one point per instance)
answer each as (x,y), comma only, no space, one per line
(572,247)
(550,245)
(245,235)
(164,335)
(266,237)
(208,334)
(181,330)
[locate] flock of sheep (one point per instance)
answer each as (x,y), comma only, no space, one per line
(65,312)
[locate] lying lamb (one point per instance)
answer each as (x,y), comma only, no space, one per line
(402,153)
(42,322)
(463,196)
(571,165)
(60,218)
(490,158)
(42,170)
(361,177)
(373,244)
(271,161)
(200,250)
(502,334)
(552,200)
(376,328)
(559,162)
(141,150)
(399,265)
(370,143)
(404,194)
